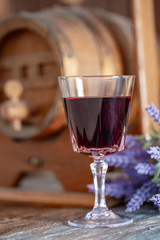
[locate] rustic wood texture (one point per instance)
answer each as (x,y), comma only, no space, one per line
(21,222)
(147,57)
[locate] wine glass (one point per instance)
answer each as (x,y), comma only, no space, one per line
(97,109)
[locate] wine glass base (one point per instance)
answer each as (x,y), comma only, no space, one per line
(111,220)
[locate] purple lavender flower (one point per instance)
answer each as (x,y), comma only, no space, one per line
(145,168)
(156,200)
(130,141)
(137,179)
(141,196)
(119,160)
(116,188)
(154,152)
(129,190)
(153,113)
(134,148)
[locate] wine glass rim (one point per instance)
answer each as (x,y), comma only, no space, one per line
(95,76)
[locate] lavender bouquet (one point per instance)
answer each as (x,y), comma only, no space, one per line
(140,162)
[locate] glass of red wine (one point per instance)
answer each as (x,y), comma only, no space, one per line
(97,109)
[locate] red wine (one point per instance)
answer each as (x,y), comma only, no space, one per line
(97,125)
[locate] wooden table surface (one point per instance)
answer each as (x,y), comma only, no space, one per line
(24,222)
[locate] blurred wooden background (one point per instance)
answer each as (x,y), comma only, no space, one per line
(19,158)
(122,7)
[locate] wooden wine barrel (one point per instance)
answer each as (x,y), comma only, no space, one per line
(36,48)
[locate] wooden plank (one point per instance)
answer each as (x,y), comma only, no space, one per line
(14,196)
(147,57)
(21,222)
(66,199)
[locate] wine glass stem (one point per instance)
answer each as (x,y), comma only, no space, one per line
(99,169)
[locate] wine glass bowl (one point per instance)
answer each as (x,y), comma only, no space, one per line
(97,109)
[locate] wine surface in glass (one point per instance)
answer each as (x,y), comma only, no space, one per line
(96,124)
